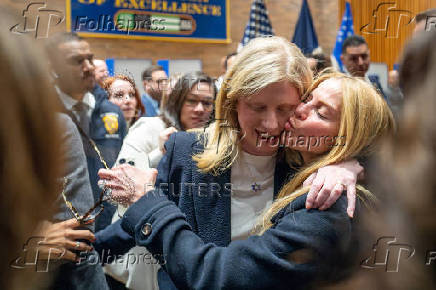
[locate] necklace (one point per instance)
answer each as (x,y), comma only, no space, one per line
(255,186)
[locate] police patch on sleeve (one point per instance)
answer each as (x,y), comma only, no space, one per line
(110,121)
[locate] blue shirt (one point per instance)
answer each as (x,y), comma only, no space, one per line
(151,106)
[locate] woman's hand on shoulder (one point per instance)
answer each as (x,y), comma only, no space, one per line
(328,183)
(164,136)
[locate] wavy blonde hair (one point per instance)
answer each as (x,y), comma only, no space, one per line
(365,118)
(262,62)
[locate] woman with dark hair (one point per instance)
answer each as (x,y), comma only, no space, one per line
(122,92)
(188,106)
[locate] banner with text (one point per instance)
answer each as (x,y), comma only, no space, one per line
(184,20)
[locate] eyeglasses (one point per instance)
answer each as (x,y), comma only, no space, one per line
(93,212)
(98,207)
(207,104)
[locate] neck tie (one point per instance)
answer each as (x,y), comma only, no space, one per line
(81,111)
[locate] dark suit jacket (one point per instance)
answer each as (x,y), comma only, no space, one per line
(192,232)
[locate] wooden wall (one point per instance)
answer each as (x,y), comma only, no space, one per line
(385,44)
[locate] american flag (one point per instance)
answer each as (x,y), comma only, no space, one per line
(345,30)
(258,24)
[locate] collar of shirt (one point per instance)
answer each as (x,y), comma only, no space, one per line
(365,77)
(69,102)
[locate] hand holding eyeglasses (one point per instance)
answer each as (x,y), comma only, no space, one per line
(62,239)
(127,183)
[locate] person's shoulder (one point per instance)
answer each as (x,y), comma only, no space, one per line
(155,123)
(66,123)
(183,141)
(336,215)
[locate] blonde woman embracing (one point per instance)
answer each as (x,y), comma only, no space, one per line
(222,181)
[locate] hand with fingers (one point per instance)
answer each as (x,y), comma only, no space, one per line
(127,183)
(62,239)
(328,183)
(164,136)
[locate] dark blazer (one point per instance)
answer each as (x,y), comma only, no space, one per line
(304,247)
(375,81)
(202,216)
(204,198)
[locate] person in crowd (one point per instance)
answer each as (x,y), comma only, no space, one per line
(188,106)
(356,59)
(228,60)
(425,21)
(101,71)
(407,183)
(293,246)
(100,122)
(224,190)
(410,181)
(73,269)
(30,154)
(318,62)
(38,146)
(155,81)
(122,92)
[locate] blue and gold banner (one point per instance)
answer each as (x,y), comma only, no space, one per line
(185,20)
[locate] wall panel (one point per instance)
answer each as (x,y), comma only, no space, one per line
(386,25)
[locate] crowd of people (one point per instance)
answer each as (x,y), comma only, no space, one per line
(265,177)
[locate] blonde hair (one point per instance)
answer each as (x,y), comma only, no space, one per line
(365,117)
(262,62)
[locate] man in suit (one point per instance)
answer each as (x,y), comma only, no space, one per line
(356,59)
(86,274)
(100,123)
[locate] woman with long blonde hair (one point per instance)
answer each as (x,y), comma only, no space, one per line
(224,179)
(293,247)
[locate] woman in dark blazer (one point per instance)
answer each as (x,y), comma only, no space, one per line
(292,247)
(280,70)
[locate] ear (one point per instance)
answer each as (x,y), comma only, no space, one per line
(342,58)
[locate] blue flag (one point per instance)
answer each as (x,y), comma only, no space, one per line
(305,36)
(258,24)
(345,30)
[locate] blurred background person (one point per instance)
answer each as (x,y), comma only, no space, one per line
(226,63)
(356,59)
(189,106)
(422,18)
(155,82)
(318,62)
(122,92)
(101,71)
(30,153)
